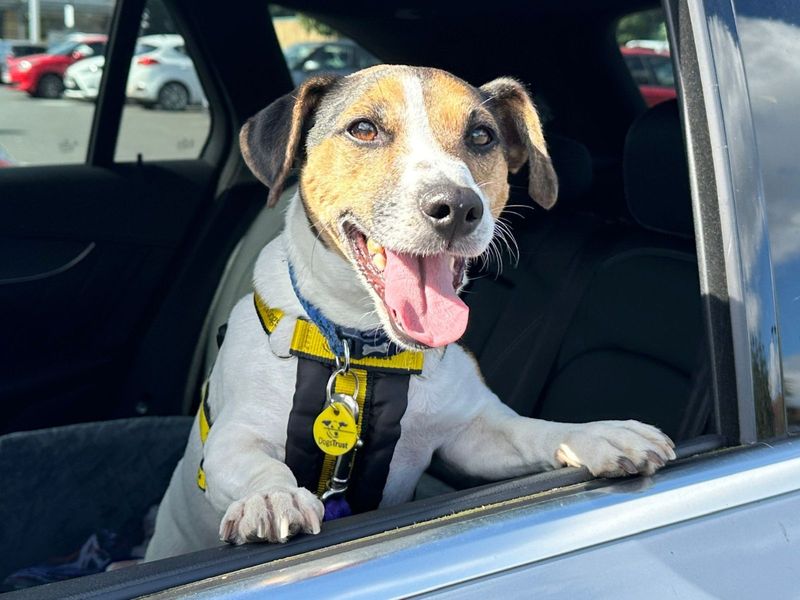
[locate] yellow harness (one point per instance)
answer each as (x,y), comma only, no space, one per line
(309,343)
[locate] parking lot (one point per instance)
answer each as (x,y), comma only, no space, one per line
(39,132)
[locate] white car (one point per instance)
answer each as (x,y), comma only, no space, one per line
(165,76)
(82,79)
(161,75)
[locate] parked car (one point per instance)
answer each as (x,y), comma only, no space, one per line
(307,59)
(663,286)
(42,74)
(82,79)
(651,69)
(16,49)
(165,76)
(5,159)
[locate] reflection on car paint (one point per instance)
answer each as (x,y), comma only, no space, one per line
(770,46)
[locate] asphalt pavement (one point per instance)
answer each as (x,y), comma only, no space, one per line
(34,131)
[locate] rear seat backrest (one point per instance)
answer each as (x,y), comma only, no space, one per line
(546,246)
(632,346)
(600,320)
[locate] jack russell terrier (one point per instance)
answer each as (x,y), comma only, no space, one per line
(340,377)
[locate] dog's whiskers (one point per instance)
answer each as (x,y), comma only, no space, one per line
(503,231)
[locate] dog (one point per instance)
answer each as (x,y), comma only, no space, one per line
(403,175)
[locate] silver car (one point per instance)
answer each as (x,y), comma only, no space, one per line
(164,77)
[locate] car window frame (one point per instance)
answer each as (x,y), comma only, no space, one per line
(640,65)
(729,207)
(653,62)
(111,97)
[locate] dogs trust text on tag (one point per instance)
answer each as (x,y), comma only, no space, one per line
(335,430)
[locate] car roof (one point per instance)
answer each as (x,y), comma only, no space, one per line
(161,39)
(636,51)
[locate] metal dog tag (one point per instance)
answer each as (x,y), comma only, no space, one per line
(335,428)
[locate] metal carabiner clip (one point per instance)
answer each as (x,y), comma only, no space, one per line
(346,366)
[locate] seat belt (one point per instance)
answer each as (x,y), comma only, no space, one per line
(548,329)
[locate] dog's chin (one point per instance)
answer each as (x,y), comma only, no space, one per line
(372,261)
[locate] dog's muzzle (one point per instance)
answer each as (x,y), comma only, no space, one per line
(454,212)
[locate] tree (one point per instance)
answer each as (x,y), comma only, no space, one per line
(645,25)
(312,25)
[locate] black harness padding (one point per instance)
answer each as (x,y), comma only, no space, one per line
(303,456)
(385,403)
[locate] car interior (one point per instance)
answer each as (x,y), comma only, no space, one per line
(119,275)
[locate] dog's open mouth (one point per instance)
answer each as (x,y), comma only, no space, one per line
(418,292)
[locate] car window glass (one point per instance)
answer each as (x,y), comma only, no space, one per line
(313,48)
(639,71)
(642,40)
(98,48)
(42,122)
(142,48)
(63,47)
(769,34)
(662,71)
(166,116)
(84,50)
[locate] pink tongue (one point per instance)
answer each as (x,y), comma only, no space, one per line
(420,296)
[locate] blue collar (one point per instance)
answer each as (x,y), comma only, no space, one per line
(361,344)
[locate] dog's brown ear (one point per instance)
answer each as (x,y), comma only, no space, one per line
(272,139)
(521,131)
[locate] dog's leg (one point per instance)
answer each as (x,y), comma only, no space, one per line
(497,443)
(257,492)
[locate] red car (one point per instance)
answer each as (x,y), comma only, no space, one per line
(42,74)
(652,72)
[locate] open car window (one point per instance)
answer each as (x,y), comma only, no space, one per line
(642,38)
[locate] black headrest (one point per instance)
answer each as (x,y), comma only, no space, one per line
(573,165)
(656,173)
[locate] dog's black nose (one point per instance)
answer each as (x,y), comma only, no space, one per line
(453,211)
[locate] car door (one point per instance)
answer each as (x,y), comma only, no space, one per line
(91,246)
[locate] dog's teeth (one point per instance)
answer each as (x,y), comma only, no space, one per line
(379,260)
(453,264)
(374,247)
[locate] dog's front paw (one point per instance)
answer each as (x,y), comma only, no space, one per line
(274,515)
(616,448)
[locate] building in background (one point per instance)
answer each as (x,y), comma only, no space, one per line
(90,16)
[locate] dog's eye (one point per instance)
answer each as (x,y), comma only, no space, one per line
(363,130)
(480,136)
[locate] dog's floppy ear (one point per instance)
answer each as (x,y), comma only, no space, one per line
(521,131)
(272,139)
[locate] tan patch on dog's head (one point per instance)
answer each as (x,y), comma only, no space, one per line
(424,119)
(455,107)
(344,176)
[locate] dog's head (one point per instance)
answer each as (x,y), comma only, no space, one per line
(404,173)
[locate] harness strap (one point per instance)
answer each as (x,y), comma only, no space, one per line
(374,342)
(382,400)
(204,425)
(308,342)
